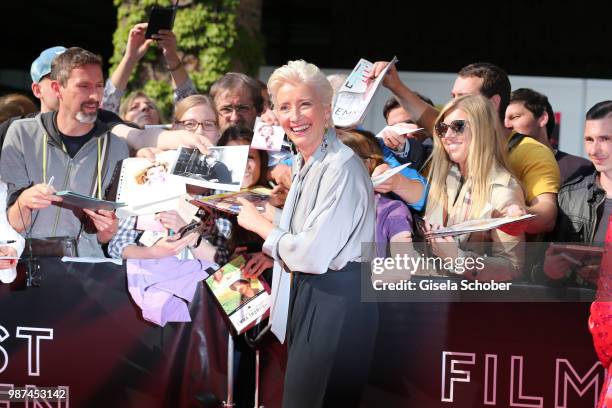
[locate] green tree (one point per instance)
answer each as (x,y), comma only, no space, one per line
(213,37)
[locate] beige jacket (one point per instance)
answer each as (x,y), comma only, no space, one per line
(501,254)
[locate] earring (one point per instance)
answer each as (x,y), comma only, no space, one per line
(324,143)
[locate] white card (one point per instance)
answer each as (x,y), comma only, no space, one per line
(149,238)
(399,129)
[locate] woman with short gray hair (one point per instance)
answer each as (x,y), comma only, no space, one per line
(317,249)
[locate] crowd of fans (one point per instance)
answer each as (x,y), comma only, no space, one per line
(486,153)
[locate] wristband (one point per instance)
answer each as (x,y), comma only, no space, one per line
(177,66)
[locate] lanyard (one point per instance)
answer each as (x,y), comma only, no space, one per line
(98,165)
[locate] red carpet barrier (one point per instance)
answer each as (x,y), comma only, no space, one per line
(80,330)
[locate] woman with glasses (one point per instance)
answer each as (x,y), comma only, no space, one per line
(196,114)
(317,248)
(470,180)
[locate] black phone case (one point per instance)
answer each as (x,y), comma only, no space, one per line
(188,229)
(160,18)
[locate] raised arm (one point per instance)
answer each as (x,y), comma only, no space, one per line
(181,83)
(425,113)
(137,45)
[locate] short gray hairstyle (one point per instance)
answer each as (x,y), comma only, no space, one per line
(297,72)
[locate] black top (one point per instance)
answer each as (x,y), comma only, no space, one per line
(602,224)
(571,166)
(74,143)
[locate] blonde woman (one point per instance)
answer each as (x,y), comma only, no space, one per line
(154,174)
(470,180)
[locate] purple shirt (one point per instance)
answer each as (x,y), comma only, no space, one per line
(392,217)
(164,287)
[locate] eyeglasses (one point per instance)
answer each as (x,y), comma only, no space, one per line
(239,109)
(457,126)
(192,124)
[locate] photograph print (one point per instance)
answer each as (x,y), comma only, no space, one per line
(267,137)
(222,168)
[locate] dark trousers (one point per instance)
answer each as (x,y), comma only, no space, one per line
(331,336)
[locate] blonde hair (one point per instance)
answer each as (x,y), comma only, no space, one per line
(125,105)
(487,151)
(189,102)
(141,176)
(301,72)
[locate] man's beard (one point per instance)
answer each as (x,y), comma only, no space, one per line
(86,118)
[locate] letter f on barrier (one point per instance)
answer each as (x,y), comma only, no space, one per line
(450,374)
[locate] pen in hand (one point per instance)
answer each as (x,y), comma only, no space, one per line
(50,184)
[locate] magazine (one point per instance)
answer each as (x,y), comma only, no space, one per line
(244,301)
(222,168)
(470,226)
(267,137)
(355,95)
(228,202)
(145,185)
(578,254)
(72,199)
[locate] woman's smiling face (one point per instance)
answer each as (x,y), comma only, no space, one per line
(302,116)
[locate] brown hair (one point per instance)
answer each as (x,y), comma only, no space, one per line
(238,133)
(365,145)
(15,104)
(236,80)
(74,57)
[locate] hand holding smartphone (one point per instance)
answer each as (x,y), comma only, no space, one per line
(160,18)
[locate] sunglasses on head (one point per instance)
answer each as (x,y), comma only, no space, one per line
(457,126)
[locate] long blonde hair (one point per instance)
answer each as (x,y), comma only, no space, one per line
(487,152)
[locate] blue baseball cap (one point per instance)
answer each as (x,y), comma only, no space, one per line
(42,65)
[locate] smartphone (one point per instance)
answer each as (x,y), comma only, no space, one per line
(160,18)
(187,229)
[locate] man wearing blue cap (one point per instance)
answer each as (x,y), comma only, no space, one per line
(41,83)
(41,86)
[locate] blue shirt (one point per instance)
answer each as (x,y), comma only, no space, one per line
(407,172)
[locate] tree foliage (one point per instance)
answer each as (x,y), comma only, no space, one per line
(208,38)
